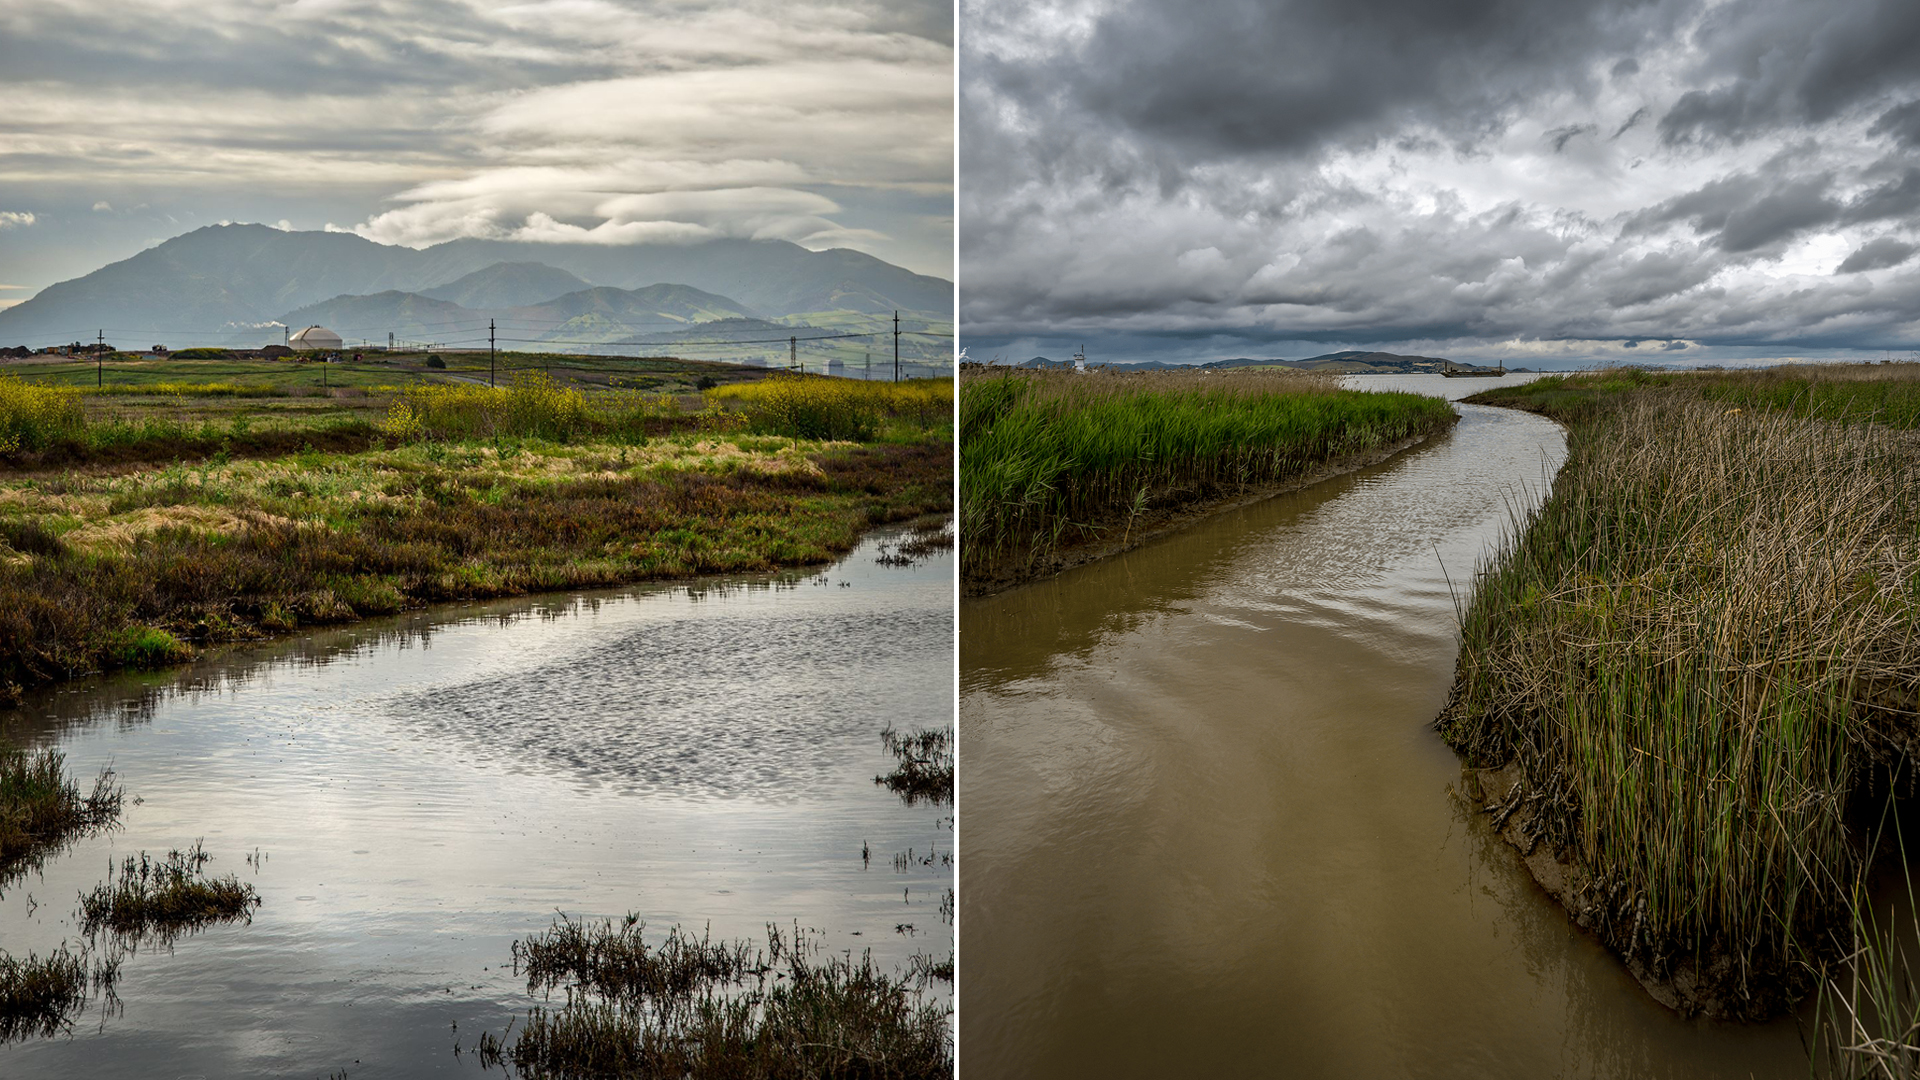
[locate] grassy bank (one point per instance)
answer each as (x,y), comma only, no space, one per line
(457,491)
(1696,666)
(1054,458)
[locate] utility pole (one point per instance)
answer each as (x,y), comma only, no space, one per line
(389,342)
(868,377)
(793,352)
(490,352)
(896,345)
(100,359)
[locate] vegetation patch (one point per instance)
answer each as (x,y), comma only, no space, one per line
(100,566)
(1685,676)
(695,1008)
(813,407)
(42,808)
(1050,459)
(159,899)
(925,769)
(39,995)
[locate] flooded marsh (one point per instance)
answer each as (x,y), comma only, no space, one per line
(411,796)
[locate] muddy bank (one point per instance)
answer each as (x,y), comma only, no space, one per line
(1170,513)
(1708,983)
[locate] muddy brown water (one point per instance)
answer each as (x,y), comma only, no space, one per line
(1207,829)
(426,789)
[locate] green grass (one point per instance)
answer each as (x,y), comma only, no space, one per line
(100,564)
(1052,458)
(1697,653)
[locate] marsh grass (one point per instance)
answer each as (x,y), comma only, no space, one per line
(532,406)
(925,769)
(816,407)
(39,995)
(157,900)
(1866,1023)
(1055,457)
(692,1007)
(42,808)
(1694,654)
(99,566)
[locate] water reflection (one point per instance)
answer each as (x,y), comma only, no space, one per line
(409,796)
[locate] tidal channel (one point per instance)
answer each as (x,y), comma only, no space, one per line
(1208,829)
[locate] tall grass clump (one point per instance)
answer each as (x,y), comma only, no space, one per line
(1052,457)
(34,417)
(925,769)
(163,898)
(1867,1015)
(533,406)
(1687,663)
(40,994)
(41,807)
(688,1007)
(816,407)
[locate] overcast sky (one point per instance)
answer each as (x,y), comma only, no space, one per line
(1668,180)
(125,122)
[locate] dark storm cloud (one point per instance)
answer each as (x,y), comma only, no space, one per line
(1877,255)
(1902,122)
(1747,212)
(1233,76)
(1482,170)
(1771,63)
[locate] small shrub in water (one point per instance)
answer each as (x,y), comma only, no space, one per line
(163,898)
(40,994)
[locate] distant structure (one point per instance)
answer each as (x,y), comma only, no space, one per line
(275,352)
(315,339)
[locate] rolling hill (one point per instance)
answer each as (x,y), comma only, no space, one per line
(229,284)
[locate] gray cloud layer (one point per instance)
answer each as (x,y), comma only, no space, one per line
(1490,174)
(825,122)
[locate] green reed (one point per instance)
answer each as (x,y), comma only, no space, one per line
(1695,652)
(1052,457)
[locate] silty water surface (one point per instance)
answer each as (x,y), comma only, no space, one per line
(1208,830)
(423,790)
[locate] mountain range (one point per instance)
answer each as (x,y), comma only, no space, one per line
(233,284)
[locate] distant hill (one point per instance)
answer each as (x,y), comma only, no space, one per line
(410,317)
(605,314)
(508,285)
(1344,363)
(593,315)
(224,283)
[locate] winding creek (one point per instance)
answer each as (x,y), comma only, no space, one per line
(412,795)
(1208,830)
